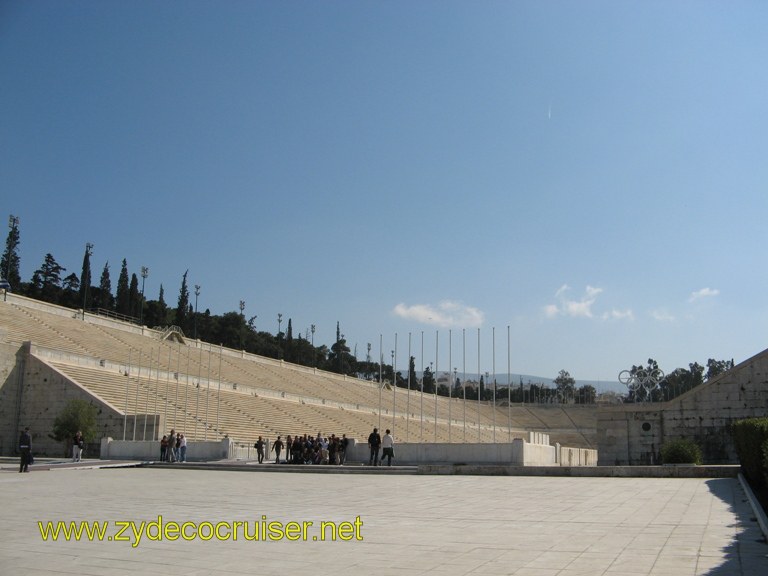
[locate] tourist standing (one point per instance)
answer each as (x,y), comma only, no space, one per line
(260,449)
(25,448)
(343,449)
(164,449)
(77,446)
(183,448)
(387,448)
(277,447)
(171,445)
(374,443)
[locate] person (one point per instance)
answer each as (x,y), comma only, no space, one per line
(25,448)
(78,443)
(343,449)
(288,448)
(183,448)
(171,445)
(164,449)
(177,447)
(387,448)
(277,447)
(374,442)
(333,450)
(260,449)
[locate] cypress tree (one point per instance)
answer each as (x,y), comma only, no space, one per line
(85,275)
(183,305)
(123,302)
(9,264)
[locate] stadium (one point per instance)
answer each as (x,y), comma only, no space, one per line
(146,382)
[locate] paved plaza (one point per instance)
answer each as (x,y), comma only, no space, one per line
(384,524)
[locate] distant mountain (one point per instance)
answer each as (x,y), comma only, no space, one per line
(501,380)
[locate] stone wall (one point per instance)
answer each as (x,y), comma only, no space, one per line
(43,393)
(149,450)
(9,401)
(632,434)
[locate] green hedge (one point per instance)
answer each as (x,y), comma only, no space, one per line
(750,437)
(680,451)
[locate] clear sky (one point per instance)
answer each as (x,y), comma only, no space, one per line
(593,175)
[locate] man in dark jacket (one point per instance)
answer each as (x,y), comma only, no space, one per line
(25,448)
(374,443)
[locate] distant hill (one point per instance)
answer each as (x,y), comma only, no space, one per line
(501,380)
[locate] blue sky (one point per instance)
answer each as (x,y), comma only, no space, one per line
(591,174)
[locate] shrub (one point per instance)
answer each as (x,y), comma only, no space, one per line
(749,437)
(76,415)
(680,452)
(765,462)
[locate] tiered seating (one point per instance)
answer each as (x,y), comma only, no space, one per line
(313,401)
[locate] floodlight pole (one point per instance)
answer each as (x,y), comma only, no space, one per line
(197,293)
(144,274)
(88,252)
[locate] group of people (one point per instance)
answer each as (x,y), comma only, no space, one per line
(298,449)
(173,447)
(386,444)
(307,449)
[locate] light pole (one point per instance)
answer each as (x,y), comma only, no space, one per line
(312,329)
(242,316)
(88,252)
(144,274)
(197,293)
(279,331)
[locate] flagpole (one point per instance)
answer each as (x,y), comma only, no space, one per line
(157,392)
(218,394)
(176,400)
(167,385)
(127,384)
(421,393)
(464,377)
(381,367)
(408,401)
(509,388)
(478,385)
(197,401)
(450,386)
(493,364)
(434,377)
(146,398)
(136,403)
(186,388)
(394,384)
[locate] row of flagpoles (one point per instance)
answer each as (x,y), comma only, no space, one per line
(420,384)
(171,389)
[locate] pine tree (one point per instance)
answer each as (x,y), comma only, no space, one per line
(47,279)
